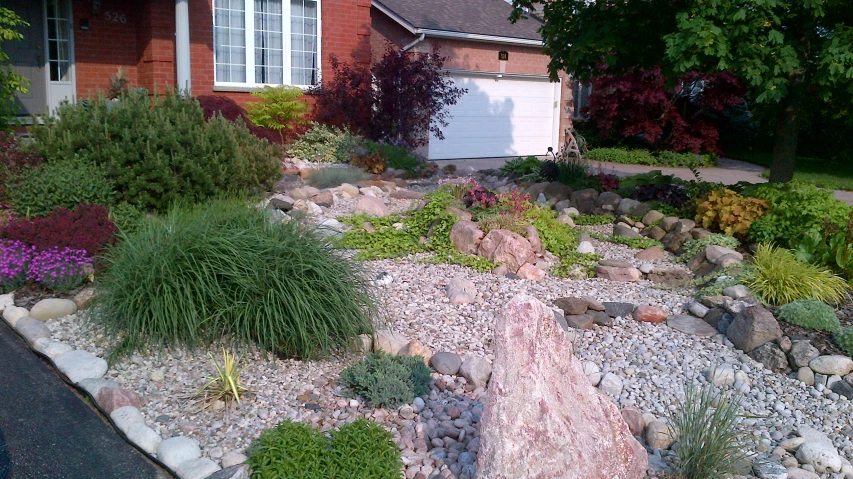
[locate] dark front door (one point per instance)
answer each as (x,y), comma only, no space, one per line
(27,56)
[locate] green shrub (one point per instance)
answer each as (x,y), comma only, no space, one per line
(222,270)
(693,247)
(795,209)
(729,212)
(387,381)
(358,450)
(645,157)
(126,216)
(832,247)
(777,277)
(280,108)
(333,144)
(593,220)
(711,442)
(331,177)
(530,166)
(397,157)
(811,314)
(844,339)
(59,184)
(161,150)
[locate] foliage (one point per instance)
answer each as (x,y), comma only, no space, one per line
(607,182)
(387,381)
(88,227)
(832,247)
(329,143)
(693,247)
(158,151)
(593,220)
(795,209)
(514,202)
(573,174)
(810,314)
(832,171)
(712,444)
(15,257)
(370,162)
(125,216)
(11,82)
(226,385)
(401,99)
(213,105)
(523,166)
(292,450)
(480,197)
(666,113)
(636,243)
(561,240)
(503,221)
(118,83)
(59,184)
(331,177)
(730,212)
(628,184)
(13,159)
(222,270)
(549,171)
(844,339)
(777,277)
(665,209)
(397,157)
(280,108)
(669,194)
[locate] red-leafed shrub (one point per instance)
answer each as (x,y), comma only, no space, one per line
(231,111)
(608,182)
(681,114)
(87,227)
(13,158)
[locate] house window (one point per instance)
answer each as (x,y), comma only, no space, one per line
(58,40)
(266,42)
(580,97)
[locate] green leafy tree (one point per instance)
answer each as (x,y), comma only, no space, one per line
(280,108)
(10,82)
(788,53)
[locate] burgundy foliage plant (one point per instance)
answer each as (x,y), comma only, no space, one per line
(400,100)
(681,114)
(87,227)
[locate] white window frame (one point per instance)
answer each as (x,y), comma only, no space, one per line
(286,45)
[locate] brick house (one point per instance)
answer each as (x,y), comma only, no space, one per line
(72,47)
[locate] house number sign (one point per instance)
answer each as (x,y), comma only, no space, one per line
(115,17)
(502,55)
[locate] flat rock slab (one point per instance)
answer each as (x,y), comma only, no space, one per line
(32,329)
(614,309)
(199,468)
(53,308)
(176,450)
(690,325)
(80,365)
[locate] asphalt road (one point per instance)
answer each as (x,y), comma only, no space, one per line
(47,431)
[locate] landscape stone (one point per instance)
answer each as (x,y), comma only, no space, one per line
(371,207)
(753,327)
(51,348)
(83,297)
(608,198)
(125,417)
(715,252)
(634,419)
(727,260)
(476,370)
(446,363)
(631,207)
(233,458)
(659,435)
(530,272)
(618,274)
(656,233)
(690,325)
(769,470)
(53,308)
(79,365)
(32,329)
(652,217)
(572,305)
(388,341)
(466,236)
(714,315)
(176,450)
(459,213)
(143,436)
(673,277)
(737,291)
(673,241)
(579,321)
(683,226)
(461,291)
(530,427)
(199,468)
(625,231)
(308,207)
(557,191)
(504,246)
(611,384)
(283,202)
(650,254)
(349,191)
(698,309)
(649,314)
(602,319)
(801,353)
(325,198)
(721,375)
(832,364)
(13,313)
(416,348)
(585,247)
(533,238)
(614,309)
(93,386)
(110,399)
(236,471)
(668,223)
(404,194)
(616,263)
(806,375)
(771,356)
(699,233)
(797,473)
(822,456)
(842,388)
(596,305)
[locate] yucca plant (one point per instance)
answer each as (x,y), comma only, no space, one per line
(778,277)
(226,384)
(711,442)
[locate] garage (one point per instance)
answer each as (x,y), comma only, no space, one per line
(501,115)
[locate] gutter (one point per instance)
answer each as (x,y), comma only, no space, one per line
(414,42)
(422,32)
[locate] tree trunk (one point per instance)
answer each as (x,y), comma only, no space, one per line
(785,138)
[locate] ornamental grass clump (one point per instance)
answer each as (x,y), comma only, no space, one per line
(778,277)
(224,270)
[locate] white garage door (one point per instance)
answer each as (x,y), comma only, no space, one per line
(499,117)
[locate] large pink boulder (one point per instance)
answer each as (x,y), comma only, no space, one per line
(466,236)
(542,418)
(506,247)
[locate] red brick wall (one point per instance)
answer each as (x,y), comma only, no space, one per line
(105,46)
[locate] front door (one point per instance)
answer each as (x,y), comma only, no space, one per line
(27,56)
(60,52)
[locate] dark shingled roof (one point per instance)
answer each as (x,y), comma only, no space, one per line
(483,17)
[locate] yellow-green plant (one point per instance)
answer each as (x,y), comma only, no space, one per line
(226,384)
(778,277)
(730,212)
(503,221)
(280,108)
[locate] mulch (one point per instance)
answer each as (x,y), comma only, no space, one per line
(821,340)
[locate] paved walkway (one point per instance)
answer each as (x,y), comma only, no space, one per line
(727,171)
(48,432)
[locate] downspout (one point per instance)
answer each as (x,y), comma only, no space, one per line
(182,46)
(415,42)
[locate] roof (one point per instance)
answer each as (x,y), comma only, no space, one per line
(477,17)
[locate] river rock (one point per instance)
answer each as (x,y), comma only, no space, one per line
(832,364)
(801,353)
(649,314)
(445,363)
(79,365)
(753,327)
(388,341)
(476,370)
(461,291)
(614,273)
(572,305)
(466,236)
(508,248)
(531,425)
(13,313)
(176,450)
(371,207)
(53,308)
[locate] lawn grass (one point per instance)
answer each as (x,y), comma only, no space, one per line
(823,173)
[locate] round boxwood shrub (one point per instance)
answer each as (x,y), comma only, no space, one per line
(224,270)
(811,314)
